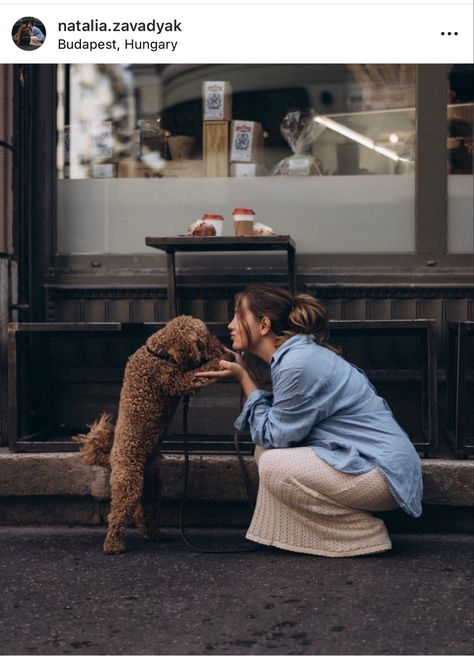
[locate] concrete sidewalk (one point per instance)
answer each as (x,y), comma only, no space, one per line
(57,488)
(61,595)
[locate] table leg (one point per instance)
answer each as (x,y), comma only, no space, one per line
(171,280)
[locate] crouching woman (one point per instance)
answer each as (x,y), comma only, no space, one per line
(329,450)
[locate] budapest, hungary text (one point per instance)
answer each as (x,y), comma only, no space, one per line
(128,44)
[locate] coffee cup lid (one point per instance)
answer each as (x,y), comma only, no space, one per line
(242,210)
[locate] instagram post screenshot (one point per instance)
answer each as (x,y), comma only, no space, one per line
(236,328)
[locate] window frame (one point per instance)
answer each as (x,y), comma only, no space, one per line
(36,178)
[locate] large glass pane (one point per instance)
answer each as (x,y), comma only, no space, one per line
(460,146)
(323,152)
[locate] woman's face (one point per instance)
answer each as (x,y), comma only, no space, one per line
(238,334)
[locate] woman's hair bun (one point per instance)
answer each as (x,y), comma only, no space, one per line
(308,316)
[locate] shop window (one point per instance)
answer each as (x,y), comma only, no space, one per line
(325,153)
(460,167)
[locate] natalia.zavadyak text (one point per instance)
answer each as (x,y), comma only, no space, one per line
(124,36)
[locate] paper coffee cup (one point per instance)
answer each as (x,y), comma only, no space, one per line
(215,220)
(243,222)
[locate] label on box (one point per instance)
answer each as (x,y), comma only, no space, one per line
(102,140)
(242,170)
(103,170)
(214,100)
(242,138)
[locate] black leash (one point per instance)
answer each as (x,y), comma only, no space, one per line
(163,355)
(244,476)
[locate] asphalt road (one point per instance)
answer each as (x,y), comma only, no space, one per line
(60,595)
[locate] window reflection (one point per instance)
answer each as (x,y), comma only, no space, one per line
(146,121)
(460,119)
(459,150)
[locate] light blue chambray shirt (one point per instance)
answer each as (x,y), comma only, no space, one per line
(321,400)
(36,32)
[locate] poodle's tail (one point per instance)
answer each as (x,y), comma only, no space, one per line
(97,443)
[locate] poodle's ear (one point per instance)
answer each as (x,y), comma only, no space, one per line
(186,351)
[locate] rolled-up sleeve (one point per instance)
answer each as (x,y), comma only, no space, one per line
(256,407)
(285,418)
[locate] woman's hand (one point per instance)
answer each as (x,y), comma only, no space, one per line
(230,371)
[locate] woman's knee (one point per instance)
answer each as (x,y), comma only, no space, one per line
(273,471)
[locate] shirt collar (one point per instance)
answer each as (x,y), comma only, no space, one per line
(296,340)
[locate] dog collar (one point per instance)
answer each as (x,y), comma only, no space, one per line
(163,355)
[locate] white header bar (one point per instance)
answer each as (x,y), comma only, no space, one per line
(200,3)
(228,32)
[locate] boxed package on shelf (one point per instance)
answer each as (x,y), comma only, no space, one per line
(246,142)
(246,170)
(215,147)
(103,170)
(217,101)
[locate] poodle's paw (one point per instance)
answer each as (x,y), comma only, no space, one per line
(193,387)
(112,546)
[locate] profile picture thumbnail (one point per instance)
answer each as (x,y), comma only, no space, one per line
(28,33)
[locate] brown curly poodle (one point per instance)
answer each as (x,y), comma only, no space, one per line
(156,376)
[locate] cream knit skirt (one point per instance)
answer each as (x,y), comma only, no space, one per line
(306,505)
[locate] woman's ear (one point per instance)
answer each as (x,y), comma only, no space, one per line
(265,325)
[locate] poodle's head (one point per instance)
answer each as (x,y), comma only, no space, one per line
(187,340)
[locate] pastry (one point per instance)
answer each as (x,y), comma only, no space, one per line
(201,229)
(262,230)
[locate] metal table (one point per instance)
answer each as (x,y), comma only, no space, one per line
(172,245)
